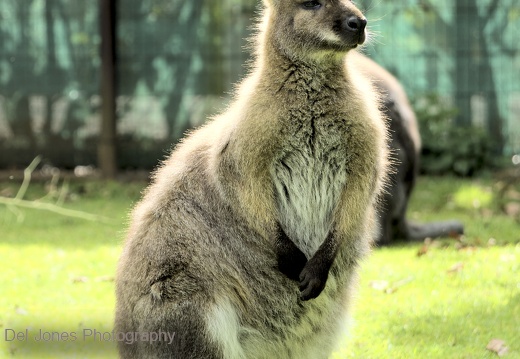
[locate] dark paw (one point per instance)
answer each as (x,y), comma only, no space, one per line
(312,281)
(291,261)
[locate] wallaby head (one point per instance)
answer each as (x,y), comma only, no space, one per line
(304,28)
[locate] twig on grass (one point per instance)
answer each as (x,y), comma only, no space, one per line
(27,173)
(14,203)
(53,208)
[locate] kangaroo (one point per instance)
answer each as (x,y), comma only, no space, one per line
(247,242)
(405,142)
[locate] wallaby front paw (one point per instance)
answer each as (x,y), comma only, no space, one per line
(312,281)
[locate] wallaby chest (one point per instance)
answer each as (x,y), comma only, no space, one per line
(310,170)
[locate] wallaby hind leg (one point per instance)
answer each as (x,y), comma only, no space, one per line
(181,329)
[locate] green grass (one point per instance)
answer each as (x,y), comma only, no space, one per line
(56,274)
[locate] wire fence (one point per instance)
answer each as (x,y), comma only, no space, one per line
(177,62)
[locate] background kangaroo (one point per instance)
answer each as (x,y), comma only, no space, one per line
(405,142)
(247,242)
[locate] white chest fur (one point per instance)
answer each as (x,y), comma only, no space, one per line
(308,178)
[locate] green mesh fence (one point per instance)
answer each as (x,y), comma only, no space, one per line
(467,51)
(178,61)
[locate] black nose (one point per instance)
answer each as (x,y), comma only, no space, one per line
(356,24)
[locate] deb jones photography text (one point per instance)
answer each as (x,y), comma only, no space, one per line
(40,335)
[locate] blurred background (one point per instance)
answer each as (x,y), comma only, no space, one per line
(162,66)
(93,88)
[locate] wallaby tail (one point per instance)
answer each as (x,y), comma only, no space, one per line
(421,231)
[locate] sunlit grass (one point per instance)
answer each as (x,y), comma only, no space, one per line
(456,297)
(453,303)
(56,274)
(473,197)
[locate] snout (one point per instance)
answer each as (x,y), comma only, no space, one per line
(352,29)
(356,26)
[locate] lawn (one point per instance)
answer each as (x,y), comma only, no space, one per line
(444,299)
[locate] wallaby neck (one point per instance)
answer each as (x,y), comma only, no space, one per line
(294,70)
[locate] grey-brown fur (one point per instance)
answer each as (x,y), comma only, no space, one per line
(217,249)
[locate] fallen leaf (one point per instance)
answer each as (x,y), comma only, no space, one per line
(380,285)
(457,267)
(455,235)
(478,242)
(512,209)
(423,250)
(386,287)
(425,247)
(486,213)
(512,194)
(105,278)
(80,279)
(20,311)
(468,249)
(396,285)
(497,346)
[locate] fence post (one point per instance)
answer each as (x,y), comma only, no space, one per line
(107,146)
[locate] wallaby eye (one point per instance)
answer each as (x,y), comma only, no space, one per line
(311,5)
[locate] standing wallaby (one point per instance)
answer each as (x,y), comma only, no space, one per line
(405,142)
(269,205)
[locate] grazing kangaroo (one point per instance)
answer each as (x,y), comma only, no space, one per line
(247,242)
(405,142)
